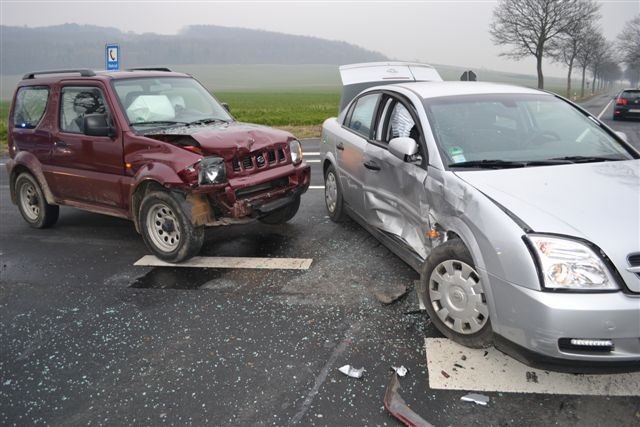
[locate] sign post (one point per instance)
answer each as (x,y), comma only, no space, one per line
(112,57)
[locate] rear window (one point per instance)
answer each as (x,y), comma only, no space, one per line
(31,103)
(630,94)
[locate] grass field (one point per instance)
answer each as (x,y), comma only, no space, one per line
(297,98)
(301,113)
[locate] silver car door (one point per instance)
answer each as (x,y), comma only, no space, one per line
(395,199)
(350,145)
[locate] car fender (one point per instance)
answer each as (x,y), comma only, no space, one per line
(151,175)
(26,160)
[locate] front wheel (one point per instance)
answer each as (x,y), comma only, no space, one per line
(166,230)
(282,215)
(33,206)
(454,296)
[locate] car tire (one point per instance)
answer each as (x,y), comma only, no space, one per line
(333,195)
(32,204)
(166,230)
(282,215)
(454,296)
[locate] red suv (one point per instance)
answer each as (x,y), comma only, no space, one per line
(149,145)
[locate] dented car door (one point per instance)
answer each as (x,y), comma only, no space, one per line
(395,199)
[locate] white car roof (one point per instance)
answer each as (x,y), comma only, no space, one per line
(452,88)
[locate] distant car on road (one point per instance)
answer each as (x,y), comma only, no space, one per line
(627,105)
(518,209)
(149,145)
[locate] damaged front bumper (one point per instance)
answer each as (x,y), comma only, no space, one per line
(245,198)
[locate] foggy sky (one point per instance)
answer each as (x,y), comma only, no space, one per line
(438,32)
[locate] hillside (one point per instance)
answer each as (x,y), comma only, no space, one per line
(72,45)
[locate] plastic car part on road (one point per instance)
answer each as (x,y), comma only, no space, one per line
(395,404)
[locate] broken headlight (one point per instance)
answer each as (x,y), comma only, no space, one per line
(567,264)
(211,170)
(296,151)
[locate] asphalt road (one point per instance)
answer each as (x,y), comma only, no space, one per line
(88,338)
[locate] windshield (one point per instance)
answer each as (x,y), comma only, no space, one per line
(166,101)
(517,130)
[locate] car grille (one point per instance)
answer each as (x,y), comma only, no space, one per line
(250,191)
(269,157)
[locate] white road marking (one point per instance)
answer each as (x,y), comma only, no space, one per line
(231,262)
(499,372)
(310,153)
(316,187)
(2,164)
(605,109)
(312,161)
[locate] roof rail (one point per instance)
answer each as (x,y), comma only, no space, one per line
(149,69)
(82,72)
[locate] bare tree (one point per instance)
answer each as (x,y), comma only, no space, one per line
(567,49)
(602,55)
(629,47)
(528,25)
(593,43)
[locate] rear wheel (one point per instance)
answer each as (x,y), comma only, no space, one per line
(282,215)
(166,230)
(33,206)
(454,296)
(333,195)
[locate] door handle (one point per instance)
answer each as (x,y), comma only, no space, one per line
(61,144)
(340,146)
(371,165)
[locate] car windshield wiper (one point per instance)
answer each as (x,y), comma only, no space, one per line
(503,164)
(588,159)
(159,122)
(489,164)
(206,121)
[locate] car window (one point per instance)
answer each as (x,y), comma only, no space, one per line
(30,105)
(401,124)
(630,94)
(75,103)
(516,128)
(150,101)
(361,118)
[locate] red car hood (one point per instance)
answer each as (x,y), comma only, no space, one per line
(227,140)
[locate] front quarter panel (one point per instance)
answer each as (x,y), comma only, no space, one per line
(492,237)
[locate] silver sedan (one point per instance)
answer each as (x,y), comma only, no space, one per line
(520,211)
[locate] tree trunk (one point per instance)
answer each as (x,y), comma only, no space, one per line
(584,71)
(539,68)
(569,79)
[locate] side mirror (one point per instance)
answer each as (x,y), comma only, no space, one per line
(403,147)
(623,136)
(226,107)
(97,125)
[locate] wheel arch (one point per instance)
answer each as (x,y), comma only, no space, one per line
(143,188)
(27,162)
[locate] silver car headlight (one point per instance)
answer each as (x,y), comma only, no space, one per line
(296,151)
(211,170)
(570,265)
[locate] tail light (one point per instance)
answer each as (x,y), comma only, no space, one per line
(621,101)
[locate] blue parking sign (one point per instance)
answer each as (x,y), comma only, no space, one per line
(112,56)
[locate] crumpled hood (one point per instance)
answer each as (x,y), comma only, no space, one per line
(599,202)
(228,139)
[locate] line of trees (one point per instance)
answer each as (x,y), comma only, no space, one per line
(567,32)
